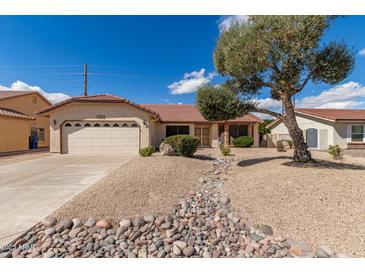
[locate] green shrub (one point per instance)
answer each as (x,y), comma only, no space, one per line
(290,143)
(335,152)
(146,151)
(225,150)
(184,145)
(243,141)
(280,146)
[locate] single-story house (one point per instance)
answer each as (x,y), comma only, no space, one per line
(18,121)
(324,127)
(110,124)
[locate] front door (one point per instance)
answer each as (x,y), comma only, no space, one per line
(312,137)
(203,134)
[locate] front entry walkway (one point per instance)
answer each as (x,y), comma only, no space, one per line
(33,189)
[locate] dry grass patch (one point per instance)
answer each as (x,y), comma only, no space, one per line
(144,185)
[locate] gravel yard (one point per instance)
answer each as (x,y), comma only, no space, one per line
(322,203)
(144,185)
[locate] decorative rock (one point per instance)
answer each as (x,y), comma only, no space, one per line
(202,180)
(73,233)
(176,250)
(224,200)
(166,150)
(180,244)
(125,223)
(50,231)
(90,222)
(138,221)
(171,232)
(152,248)
(324,252)
(188,251)
(103,224)
(49,221)
(159,220)
(216,253)
(166,225)
(149,218)
(267,230)
(207,254)
(76,223)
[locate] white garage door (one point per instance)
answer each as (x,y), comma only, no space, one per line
(100,137)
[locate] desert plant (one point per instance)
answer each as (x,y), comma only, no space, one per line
(146,151)
(281,54)
(225,150)
(335,152)
(243,141)
(184,145)
(290,143)
(280,146)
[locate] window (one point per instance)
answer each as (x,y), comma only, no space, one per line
(134,125)
(175,130)
(87,125)
(96,125)
(68,125)
(39,132)
(238,130)
(115,125)
(106,125)
(125,125)
(77,125)
(357,133)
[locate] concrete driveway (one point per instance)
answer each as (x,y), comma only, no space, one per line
(33,189)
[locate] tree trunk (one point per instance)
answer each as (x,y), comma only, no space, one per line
(301,153)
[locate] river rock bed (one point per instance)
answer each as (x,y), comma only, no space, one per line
(202,225)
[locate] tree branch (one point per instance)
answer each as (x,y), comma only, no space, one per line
(304,83)
(266,111)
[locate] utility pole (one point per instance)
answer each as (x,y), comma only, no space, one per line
(85,79)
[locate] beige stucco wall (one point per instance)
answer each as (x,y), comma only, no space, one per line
(159,131)
(336,132)
(26,105)
(90,111)
(14,134)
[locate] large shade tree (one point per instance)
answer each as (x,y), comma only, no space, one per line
(280,54)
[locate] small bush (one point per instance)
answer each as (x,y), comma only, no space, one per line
(290,143)
(225,150)
(184,145)
(280,146)
(146,151)
(335,152)
(243,141)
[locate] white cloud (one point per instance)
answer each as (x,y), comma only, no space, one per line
(191,81)
(179,103)
(362,52)
(348,95)
(226,21)
(21,86)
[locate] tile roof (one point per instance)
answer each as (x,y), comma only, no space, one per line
(100,98)
(334,114)
(166,113)
(189,113)
(14,114)
(5,94)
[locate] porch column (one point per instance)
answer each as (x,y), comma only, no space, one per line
(255,135)
(226,135)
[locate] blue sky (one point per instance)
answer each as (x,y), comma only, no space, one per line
(147,59)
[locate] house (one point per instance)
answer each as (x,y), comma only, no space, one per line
(18,121)
(110,124)
(324,127)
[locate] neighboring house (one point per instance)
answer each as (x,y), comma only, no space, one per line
(324,127)
(111,124)
(18,121)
